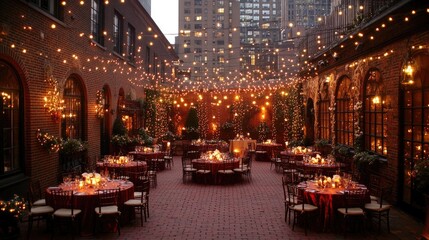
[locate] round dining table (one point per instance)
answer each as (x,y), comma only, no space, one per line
(328,200)
(327,169)
(132,166)
(215,165)
(86,199)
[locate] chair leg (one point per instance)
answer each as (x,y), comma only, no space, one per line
(30,226)
(388,221)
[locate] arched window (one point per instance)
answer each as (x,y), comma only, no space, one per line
(415,124)
(11,120)
(72,119)
(344,117)
(374,111)
(324,114)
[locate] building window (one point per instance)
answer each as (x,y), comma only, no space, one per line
(97,16)
(72,119)
(415,123)
(375,126)
(324,113)
(131,43)
(53,7)
(11,120)
(344,117)
(117,33)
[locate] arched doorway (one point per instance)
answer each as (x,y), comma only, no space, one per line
(309,122)
(105,120)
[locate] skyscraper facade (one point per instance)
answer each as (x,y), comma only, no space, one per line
(209,40)
(259,37)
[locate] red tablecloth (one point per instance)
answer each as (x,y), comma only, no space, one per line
(134,166)
(216,165)
(143,156)
(86,200)
(328,200)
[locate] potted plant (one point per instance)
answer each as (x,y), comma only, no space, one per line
(72,146)
(72,155)
(342,153)
(362,160)
(11,212)
(323,146)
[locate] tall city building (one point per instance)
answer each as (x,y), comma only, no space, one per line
(300,15)
(147,5)
(209,41)
(259,37)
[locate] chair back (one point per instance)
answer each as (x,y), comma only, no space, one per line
(375,185)
(385,192)
(354,198)
(107,197)
(62,199)
(290,177)
(186,162)
(293,194)
(34,191)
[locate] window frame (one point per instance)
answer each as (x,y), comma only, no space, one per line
(118,35)
(344,126)
(17,132)
(97,22)
(374,114)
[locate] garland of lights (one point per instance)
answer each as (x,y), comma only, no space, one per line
(50,142)
(54,104)
(99,104)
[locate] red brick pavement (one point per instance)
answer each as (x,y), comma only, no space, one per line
(245,210)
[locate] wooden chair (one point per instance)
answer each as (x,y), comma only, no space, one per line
(276,160)
(354,201)
(64,210)
(244,169)
(187,168)
(289,198)
(380,210)
(35,194)
(204,172)
(152,169)
(375,186)
(38,213)
(287,164)
(226,172)
(300,209)
(141,204)
(107,208)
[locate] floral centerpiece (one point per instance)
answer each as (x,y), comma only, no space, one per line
(91,179)
(300,150)
(214,155)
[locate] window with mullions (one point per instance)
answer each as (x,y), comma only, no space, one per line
(117,33)
(344,117)
(53,7)
(415,124)
(324,113)
(72,121)
(131,43)
(97,16)
(11,120)
(374,113)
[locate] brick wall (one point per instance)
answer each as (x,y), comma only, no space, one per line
(27,28)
